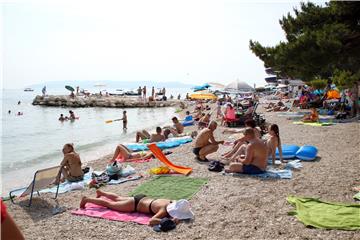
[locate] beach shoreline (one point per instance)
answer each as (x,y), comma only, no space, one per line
(227,207)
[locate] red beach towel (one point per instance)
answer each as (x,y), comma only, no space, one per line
(93,210)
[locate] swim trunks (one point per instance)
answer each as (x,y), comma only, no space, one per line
(196,151)
(252,169)
(75,179)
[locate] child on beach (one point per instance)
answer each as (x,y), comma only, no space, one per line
(124,119)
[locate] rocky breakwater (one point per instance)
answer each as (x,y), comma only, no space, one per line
(103,101)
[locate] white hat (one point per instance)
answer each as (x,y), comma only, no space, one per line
(180,209)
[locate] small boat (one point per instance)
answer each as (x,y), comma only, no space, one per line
(132,93)
(28,90)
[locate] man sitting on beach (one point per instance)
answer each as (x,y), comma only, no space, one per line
(205,142)
(177,129)
(71,165)
(255,159)
(156,137)
(204,121)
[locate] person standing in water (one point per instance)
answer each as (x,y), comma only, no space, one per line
(124,119)
(144,92)
(153,92)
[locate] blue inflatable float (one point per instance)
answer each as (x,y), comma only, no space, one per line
(288,151)
(307,153)
(169,143)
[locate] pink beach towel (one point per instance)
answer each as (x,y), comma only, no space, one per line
(93,210)
(121,159)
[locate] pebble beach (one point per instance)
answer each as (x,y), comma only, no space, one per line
(226,207)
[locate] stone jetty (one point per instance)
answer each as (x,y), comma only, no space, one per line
(102,101)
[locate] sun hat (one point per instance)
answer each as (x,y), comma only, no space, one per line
(166,224)
(180,209)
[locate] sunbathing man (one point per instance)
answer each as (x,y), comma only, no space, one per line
(126,154)
(204,121)
(71,165)
(255,159)
(312,117)
(159,208)
(155,137)
(205,142)
(177,129)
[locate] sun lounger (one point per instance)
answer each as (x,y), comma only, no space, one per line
(42,179)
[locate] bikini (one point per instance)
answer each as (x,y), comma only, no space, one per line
(138,198)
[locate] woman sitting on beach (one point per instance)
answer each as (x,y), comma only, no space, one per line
(159,208)
(240,144)
(126,154)
(312,117)
(71,165)
(274,142)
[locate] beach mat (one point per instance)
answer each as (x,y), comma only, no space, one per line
(169,143)
(314,124)
(170,187)
(120,159)
(162,158)
(93,210)
(269,174)
(326,215)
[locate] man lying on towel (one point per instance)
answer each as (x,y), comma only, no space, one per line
(255,159)
(158,208)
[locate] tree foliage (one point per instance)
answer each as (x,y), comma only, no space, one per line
(319,40)
(318,83)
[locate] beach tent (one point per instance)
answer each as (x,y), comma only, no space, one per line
(238,86)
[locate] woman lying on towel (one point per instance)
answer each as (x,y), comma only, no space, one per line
(159,208)
(126,154)
(312,117)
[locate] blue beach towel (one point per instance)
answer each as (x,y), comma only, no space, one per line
(269,174)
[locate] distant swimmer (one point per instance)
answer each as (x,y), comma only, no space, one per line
(61,118)
(19,102)
(9,112)
(19,113)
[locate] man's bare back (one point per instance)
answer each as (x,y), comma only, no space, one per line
(258,151)
(203,138)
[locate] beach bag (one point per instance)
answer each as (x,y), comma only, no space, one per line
(113,170)
(100,179)
(216,166)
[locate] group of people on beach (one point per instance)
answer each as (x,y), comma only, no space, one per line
(141,91)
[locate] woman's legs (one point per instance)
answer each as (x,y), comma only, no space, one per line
(122,151)
(211,148)
(126,205)
(238,153)
(110,195)
(233,150)
(142,135)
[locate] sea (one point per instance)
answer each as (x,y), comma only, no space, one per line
(34,140)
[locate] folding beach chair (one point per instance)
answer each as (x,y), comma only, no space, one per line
(42,179)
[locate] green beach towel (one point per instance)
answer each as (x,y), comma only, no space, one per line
(314,124)
(170,187)
(316,213)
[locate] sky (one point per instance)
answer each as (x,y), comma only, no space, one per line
(189,41)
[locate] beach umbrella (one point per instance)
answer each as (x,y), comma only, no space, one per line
(238,86)
(218,85)
(203,96)
(70,88)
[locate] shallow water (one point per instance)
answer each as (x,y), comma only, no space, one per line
(35,139)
